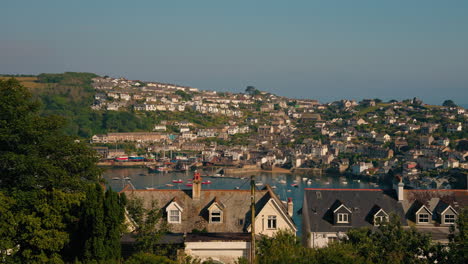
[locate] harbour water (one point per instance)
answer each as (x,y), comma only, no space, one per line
(285,185)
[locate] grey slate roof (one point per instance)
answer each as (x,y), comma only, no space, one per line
(195,215)
(319,204)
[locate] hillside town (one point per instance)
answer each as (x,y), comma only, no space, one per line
(256,130)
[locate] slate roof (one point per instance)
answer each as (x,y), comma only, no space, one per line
(236,203)
(435,200)
(319,204)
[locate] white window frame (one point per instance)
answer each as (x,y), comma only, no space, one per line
(272,222)
(174,214)
(378,219)
(342,218)
(423,222)
(451,220)
(214,214)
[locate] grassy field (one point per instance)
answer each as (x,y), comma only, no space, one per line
(28,82)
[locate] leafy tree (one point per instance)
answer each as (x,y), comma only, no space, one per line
(44,178)
(458,246)
(449,103)
(185,96)
(462,145)
(148,258)
(284,247)
(150,225)
(391,243)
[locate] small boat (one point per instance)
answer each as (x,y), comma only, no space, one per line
(177,181)
(327,183)
(304,179)
(170,185)
(116,178)
(189,184)
(295,185)
(344,182)
(141,174)
(237,188)
(206,182)
(273,187)
(127,178)
(309,182)
(289,190)
(295,181)
(358,180)
(259,183)
(149,188)
(282,181)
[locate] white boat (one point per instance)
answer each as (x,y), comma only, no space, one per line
(273,187)
(327,183)
(309,182)
(289,190)
(149,188)
(304,179)
(116,178)
(282,181)
(127,178)
(259,183)
(345,182)
(295,181)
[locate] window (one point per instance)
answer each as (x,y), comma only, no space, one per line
(380,219)
(272,222)
(449,219)
(423,218)
(215,216)
(342,218)
(174,216)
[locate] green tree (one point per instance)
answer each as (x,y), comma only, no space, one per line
(44,176)
(148,258)
(449,103)
(458,246)
(284,247)
(150,225)
(92,228)
(391,243)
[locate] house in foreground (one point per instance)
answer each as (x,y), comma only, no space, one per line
(327,214)
(223,214)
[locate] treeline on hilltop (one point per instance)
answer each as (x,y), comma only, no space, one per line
(71,95)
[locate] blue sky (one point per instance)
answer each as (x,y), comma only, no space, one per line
(325,50)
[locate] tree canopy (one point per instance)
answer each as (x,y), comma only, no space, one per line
(45,175)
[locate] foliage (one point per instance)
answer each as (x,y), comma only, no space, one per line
(458,246)
(449,103)
(185,96)
(284,247)
(147,258)
(44,179)
(252,90)
(391,243)
(150,225)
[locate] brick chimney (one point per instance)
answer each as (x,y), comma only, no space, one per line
(196,186)
(290,207)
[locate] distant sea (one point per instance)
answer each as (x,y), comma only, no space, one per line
(464,105)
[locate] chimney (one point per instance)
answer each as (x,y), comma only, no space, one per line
(399,188)
(290,207)
(196,186)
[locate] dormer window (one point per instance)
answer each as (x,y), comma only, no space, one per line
(449,219)
(343,218)
(380,217)
(216,216)
(174,216)
(342,214)
(423,218)
(423,215)
(448,216)
(215,211)
(174,212)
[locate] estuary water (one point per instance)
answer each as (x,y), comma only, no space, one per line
(286,185)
